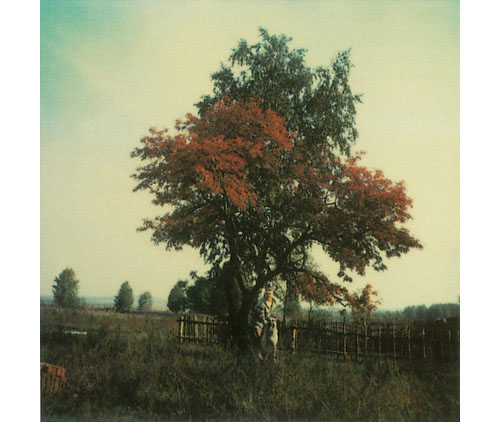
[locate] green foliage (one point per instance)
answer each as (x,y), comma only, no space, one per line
(292,309)
(177,299)
(205,295)
(317,104)
(130,368)
(433,312)
(125,298)
(65,289)
(145,302)
(265,173)
(290,300)
(200,296)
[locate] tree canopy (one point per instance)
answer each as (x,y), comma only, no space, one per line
(177,301)
(125,298)
(265,172)
(145,302)
(65,289)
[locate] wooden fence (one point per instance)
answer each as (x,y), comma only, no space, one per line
(203,329)
(416,340)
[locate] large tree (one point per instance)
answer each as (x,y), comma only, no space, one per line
(266,172)
(65,289)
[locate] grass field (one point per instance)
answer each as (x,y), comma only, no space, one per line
(130,367)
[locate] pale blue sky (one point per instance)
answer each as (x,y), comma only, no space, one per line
(110,70)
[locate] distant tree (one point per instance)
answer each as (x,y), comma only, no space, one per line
(199,294)
(421,312)
(125,298)
(433,312)
(443,310)
(291,305)
(363,304)
(409,312)
(65,289)
(205,297)
(319,314)
(82,303)
(177,299)
(145,302)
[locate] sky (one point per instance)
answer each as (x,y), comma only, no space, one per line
(111,70)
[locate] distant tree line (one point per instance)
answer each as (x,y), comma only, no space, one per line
(201,294)
(433,312)
(65,291)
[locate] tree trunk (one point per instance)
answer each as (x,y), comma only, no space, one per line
(285,302)
(240,304)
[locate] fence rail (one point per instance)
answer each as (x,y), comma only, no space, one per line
(198,328)
(416,340)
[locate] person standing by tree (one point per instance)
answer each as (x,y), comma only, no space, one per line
(65,289)
(261,312)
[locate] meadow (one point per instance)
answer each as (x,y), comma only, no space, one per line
(130,367)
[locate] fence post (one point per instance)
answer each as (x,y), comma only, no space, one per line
(344,340)
(336,346)
(394,354)
(409,340)
(450,341)
(294,339)
(181,328)
(194,318)
(357,345)
(365,334)
(380,344)
(206,329)
(423,342)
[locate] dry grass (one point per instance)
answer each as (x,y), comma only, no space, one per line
(130,366)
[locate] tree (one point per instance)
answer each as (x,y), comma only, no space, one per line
(260,177)
(204,295)
(363,304)
(145,302)
(65,289)
(125,298)
(177,299)
(291,306)
(199,295)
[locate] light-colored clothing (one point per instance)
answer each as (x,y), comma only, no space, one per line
(260,313)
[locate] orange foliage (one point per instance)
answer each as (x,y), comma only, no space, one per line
(220,151)
(240,185)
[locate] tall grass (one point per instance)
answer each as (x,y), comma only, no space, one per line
(132,366)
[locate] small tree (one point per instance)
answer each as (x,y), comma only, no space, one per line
(177,299)
(125,298)
(145,302)
(65,289)
(363,304)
